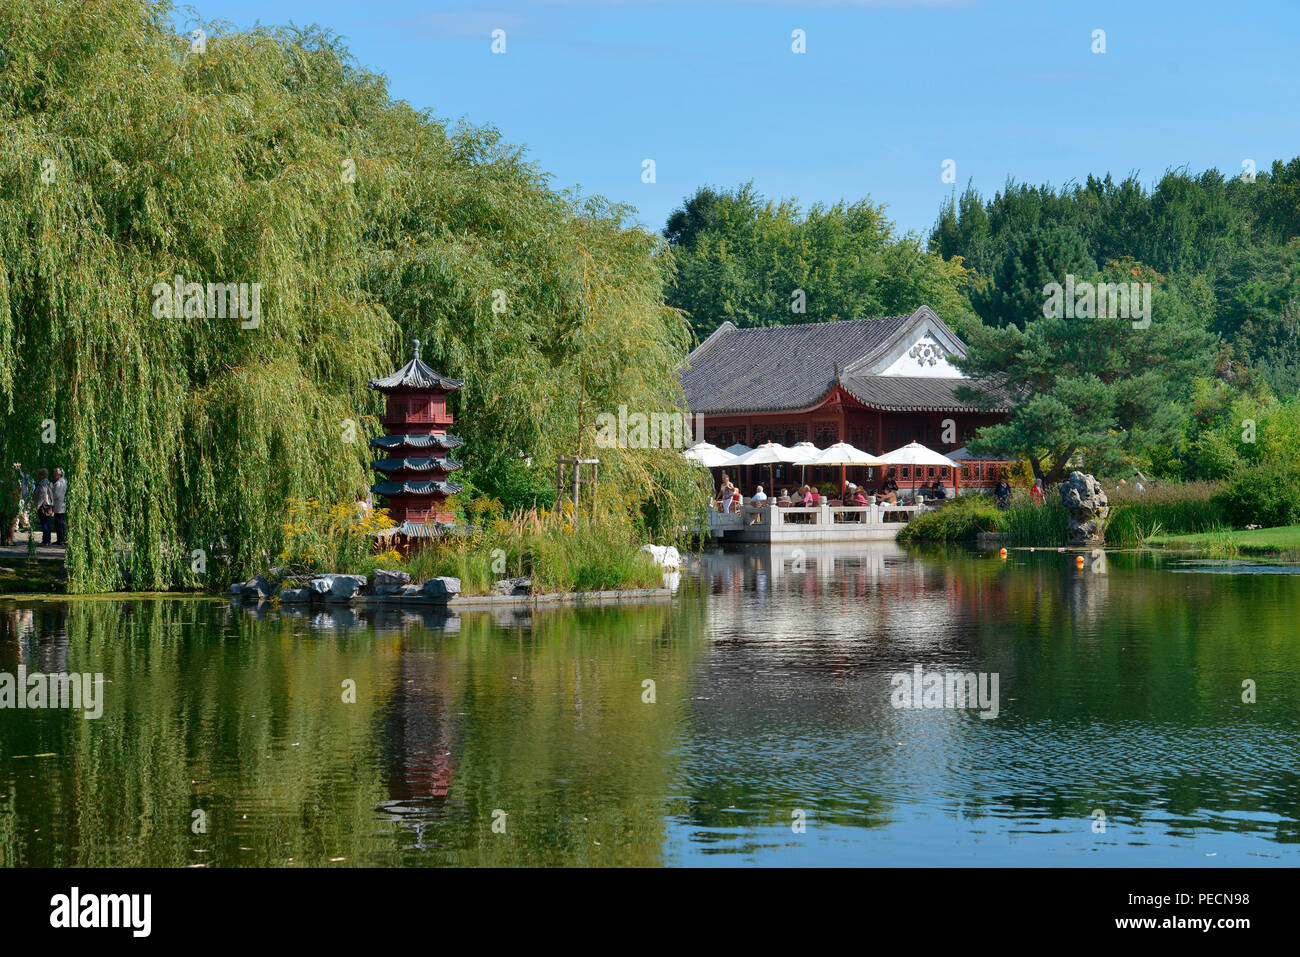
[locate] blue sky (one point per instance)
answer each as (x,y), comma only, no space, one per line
(886,92)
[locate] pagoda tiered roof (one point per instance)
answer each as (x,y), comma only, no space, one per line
(415,375)
(417,441)
(416,464)
(416,488)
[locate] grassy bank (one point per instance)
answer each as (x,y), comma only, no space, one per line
(1134,519)
(20,575)
(1283,541)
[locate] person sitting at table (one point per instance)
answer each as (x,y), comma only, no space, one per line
(759,497)
(939,490)
(859,498)
(889,491)
(784,499)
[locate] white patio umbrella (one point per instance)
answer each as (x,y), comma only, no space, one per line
(914,454)
(709,455)
(807,452)
(769,453)
(843,455)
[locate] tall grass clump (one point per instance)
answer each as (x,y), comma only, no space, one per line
(1182,509)
(1025,523)
(341,538)
(559,550)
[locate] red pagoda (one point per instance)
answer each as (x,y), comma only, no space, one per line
(415,467)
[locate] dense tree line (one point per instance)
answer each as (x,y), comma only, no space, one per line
(1225,247)
(753,261)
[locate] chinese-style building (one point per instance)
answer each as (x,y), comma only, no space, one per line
(877,384)
(415,466)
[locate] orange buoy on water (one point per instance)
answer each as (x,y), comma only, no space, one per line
(1004,553)
(1079,561)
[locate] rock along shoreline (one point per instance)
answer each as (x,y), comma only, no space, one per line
(395,589)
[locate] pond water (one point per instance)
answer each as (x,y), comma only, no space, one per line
(777,734)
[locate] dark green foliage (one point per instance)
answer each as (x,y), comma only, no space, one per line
(1225,247)
(758,262)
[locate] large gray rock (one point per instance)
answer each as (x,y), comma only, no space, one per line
(321,584)
(1086,501)
(388,591)
(511,587)
(384,577)
(295,594)
(346,587)
(441,589)
(258,588)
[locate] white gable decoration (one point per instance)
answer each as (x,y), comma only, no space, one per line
(927,356)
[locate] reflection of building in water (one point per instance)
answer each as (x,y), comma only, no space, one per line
(867,588)
(417,741)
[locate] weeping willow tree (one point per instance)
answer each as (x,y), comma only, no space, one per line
(135,154)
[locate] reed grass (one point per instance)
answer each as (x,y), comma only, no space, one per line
(559,551)
(1134,518)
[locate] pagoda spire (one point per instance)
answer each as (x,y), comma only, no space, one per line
(417,349)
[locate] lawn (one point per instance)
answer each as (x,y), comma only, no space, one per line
(1284,540)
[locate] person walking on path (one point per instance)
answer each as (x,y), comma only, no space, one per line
(59,495)
(1036,493)
(1003,492)
(43,499)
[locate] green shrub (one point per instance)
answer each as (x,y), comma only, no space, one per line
(1267,495)
(961,520)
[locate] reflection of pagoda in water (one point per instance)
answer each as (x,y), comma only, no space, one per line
(418,745)
(415,465)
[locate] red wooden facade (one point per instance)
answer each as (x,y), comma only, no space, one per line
(415,466)
(842,418)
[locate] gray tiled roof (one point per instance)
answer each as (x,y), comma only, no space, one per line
(899,393)
(415,375)
(773,368)
(783,368)
(416,465)
(416,488)
(417,441)
(424,529)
